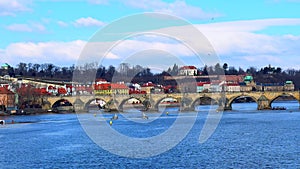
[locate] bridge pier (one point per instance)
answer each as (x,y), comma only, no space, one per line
(110,107)
(227,107)
(224,107)
(224,104)
(46,107)
(153,109)
(79,105)
(120,109)
(187,108)
(186,104)
(263,103)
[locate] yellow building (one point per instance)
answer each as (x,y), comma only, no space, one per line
(111,88)
(7,98)
(119,89)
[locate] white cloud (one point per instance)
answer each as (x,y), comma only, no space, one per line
(83,22)
(32,27)
(58,53)
(129,47)
(238,43)
(248,25)
(19,28)
(39,27)
(240,36)
(10,7)
(179,8)
(111,55)
(62,23)
(87,22)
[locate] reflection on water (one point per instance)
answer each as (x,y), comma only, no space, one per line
(245,138)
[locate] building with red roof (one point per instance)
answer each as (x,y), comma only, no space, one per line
(188,71)
(62,91)
(147,87)
(234,78)
(42,91)
(100,81)
(119,88)
(203,86)
(110,88)
(102,89)
(232,87)
(7,98)
(83,89)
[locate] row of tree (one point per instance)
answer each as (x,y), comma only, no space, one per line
(231,70)
(138,73)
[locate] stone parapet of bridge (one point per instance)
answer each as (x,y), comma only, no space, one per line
(187,100)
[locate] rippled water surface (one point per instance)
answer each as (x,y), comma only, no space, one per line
(245,138)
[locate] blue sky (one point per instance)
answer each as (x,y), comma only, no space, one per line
(243,33)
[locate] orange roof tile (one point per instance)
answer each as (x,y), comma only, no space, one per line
(3,90)
(118,86)
(188,67)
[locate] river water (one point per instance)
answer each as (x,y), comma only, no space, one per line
(244,138)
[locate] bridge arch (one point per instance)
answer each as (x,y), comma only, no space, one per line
(263,99)
(201,101)
(232,99)
(88,103)
(61,102)
(283,95)
(120,105)
(159,101)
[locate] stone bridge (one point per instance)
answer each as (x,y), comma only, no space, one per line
(187,101)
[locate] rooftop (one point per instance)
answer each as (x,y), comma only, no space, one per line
(188,67)
(4,90)
(118,86)
(5,65)
(149,84)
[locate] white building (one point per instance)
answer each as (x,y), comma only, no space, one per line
(188,71)
(232,88)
